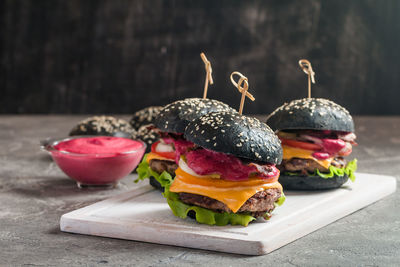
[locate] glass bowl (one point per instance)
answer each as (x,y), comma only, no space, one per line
(95,170)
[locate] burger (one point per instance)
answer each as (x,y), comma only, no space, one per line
(171,123)
(228,175)
(316,134)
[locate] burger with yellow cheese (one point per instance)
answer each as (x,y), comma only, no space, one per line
(316,134)
(228,176)
(171,123)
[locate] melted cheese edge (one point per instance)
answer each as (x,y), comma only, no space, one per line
(232,193)
(152,155)
(294,152)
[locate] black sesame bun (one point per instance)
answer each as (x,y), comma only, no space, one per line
(148,134)
(311,113)
(235,134)
(311,182)
(175,117)
(104,125)
(144,116)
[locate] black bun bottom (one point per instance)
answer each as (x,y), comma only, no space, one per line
(154,183)
(192,214)
(289,182)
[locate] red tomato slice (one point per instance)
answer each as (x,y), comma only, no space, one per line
(299,144)
(169,155)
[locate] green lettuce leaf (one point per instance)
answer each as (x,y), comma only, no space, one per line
(144,171)
(349,170)
(203,215)
(207,216)
(281,200)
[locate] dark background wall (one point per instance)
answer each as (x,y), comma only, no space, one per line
(119,56)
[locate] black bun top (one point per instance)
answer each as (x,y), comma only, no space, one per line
(235,134)
(103,125)
(311,113)
(175,117)
(144,116)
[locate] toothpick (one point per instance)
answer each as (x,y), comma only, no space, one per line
(306,67)
(209,79)
(242,89)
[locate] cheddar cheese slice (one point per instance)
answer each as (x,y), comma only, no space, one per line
(294,152)
(232,193)
(152,155)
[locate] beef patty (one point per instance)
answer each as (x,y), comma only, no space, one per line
(306,166)
(159,166)
(257,205)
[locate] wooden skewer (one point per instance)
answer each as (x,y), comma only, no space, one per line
(307,68)
(209,79)
(242,89)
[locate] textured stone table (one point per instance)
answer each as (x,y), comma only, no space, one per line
(34,193)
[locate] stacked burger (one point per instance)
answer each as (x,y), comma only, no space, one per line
(229,175)
(317,134)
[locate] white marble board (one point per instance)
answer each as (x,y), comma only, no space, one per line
(143,215)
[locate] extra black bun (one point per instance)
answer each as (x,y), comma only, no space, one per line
(235,134)
(148,134)
(175,117)
(311,182)
(311,113)
(104,125)
(144,116)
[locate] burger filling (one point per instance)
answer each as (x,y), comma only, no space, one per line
(306,166)
(223,183)
(312,152)
(165,154)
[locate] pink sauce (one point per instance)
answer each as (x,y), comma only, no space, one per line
(181,146)
(99,145)
(321,155)
(330,148)
(98,160)
(204,161)
(333,146)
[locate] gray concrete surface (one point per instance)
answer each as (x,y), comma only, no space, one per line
(34,193)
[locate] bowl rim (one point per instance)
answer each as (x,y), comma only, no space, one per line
(48,146)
